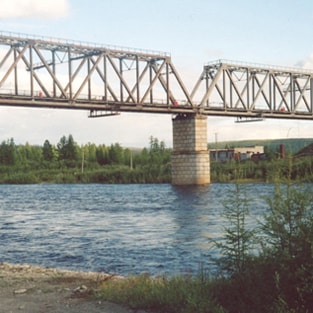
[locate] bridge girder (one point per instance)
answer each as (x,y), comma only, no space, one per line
(229,88)
(60,74)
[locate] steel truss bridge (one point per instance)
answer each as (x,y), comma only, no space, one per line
(105,80)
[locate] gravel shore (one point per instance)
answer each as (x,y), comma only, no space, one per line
(34,289)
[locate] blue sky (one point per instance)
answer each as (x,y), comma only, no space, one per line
(193,32)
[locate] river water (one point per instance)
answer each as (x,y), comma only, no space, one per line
(122,229)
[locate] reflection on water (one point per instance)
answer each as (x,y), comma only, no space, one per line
(116,228)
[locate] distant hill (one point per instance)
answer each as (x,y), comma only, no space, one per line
(306,151)
(292,145)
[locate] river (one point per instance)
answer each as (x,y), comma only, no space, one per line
(121,229)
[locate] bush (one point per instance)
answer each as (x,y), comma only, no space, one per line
(21,178)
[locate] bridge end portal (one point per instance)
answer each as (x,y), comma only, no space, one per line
(190,157)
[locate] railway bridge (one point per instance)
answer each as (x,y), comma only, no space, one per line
(55,73)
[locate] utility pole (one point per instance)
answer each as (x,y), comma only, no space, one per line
(216,146)
(83,159)
(131,160)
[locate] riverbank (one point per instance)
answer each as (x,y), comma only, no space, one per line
(35,289)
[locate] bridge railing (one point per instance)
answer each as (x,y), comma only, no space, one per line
(83,44)
(261,66)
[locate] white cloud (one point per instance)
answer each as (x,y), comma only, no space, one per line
(33,8)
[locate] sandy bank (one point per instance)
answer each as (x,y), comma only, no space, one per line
(35,289)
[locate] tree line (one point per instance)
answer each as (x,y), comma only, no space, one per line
(69,162)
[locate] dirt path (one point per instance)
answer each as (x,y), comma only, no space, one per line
(33,289)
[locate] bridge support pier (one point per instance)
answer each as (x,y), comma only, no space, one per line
(190,157)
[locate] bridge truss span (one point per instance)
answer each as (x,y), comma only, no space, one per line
(230,88)
(39,72)
(106,80)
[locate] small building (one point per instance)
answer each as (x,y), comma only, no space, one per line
(222,155)
(239,154)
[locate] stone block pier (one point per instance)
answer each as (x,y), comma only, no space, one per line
(190,157)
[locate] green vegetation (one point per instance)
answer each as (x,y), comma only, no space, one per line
(271,170)
(238,239)
(297,165)
(68,162)
(162,294)
(267,270)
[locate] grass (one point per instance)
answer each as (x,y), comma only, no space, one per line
(162,294)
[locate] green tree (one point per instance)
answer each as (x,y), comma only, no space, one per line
(143,158)
(102,155)
(48,151)
(128,157)
(237,242)
(288,244)
(90,152)
(154,144)
(116,154)
(8,152)
(67,149)
(289,223)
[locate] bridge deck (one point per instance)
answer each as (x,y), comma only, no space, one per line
(100,108)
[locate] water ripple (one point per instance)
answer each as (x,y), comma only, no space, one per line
(114,228)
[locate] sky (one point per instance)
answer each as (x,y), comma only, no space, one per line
(194,32)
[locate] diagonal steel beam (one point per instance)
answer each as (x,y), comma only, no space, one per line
(90,72)
(302,93)
(245,90)
(233,84)
(213,84)
(197,85)
(105,80)
(74,75)
(181,84)
(28,65)
(4,59)
(261,91)
(139,78)
(283,96)
(122,80)
(14,64)
(47,67)
(153,80)
(164,82)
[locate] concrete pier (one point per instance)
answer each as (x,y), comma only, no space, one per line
(190,157)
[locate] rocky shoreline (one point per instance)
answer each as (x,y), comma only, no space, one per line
(35,289)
